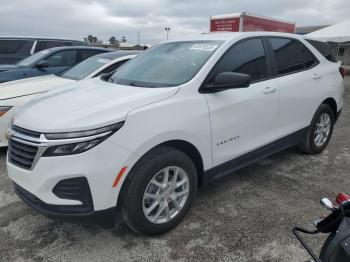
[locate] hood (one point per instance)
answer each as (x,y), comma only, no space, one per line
(30,86)
(86,104)
(8,67)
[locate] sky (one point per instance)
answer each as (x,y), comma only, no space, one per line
(76,19)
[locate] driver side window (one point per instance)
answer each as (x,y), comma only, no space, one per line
(247,57)
(62,58)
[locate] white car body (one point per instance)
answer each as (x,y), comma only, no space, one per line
(223,127)
(15,94)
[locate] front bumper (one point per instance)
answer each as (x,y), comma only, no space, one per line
(99,166)
(105,218)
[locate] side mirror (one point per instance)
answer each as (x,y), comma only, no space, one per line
(42,64)
(227,80)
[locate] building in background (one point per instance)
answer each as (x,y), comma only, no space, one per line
(247,22)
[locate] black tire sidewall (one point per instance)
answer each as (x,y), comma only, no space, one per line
(138,179)
(311,143)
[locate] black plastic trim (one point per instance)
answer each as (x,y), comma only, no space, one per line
(253,156)
(104,218)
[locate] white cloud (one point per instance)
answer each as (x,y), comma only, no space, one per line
(78,18)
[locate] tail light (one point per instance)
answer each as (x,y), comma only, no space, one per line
(342,71)
(341,198)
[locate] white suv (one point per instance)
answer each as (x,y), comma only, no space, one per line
(171,120)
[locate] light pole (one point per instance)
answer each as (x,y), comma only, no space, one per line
(167,29)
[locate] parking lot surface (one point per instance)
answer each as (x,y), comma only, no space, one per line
(247,216)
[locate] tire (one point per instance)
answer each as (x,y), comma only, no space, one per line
(154,166)
(310,146)
(332,250)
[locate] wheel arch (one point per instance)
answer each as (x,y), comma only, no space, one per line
(332,103)
(192,152)
(184,146)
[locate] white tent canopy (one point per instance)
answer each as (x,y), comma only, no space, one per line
(335,33)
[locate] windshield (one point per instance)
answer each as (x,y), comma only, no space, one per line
(85,68)
(33,58)
(168,64)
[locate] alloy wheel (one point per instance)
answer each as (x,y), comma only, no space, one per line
(165,195)
(322,129)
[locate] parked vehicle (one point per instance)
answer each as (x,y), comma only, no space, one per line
(50,61)
(14,49)
(14,94)
(247,22)
(337,224)
(171,120)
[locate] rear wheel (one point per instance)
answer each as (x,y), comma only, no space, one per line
(320,130)
(159,191)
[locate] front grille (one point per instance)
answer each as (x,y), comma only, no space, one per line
(26,132)
(21,155)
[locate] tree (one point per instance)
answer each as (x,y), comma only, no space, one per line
(113,40)
(91,39)
(123,39)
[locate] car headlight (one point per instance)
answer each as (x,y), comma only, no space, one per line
(70,147)
(4,109)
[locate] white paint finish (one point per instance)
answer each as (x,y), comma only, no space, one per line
(231,114)
(31,85)
(156,115)
(18,93)
(87,104)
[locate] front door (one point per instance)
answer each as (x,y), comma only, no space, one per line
(58,62)
(243,119)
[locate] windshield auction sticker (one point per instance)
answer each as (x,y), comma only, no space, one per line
(204,47)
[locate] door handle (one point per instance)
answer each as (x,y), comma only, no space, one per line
(269,90)
(316,76)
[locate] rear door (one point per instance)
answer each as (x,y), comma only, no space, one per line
(299,80)
(243,119)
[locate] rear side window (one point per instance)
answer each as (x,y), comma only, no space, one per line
(247,57)
(42,45)
(62,58)
(8,47)
(291,55)
(324,49)
(84,54)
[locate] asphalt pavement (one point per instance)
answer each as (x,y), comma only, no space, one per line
(247,216)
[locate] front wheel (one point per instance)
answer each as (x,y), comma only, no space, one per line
(159,191)
(320,130)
